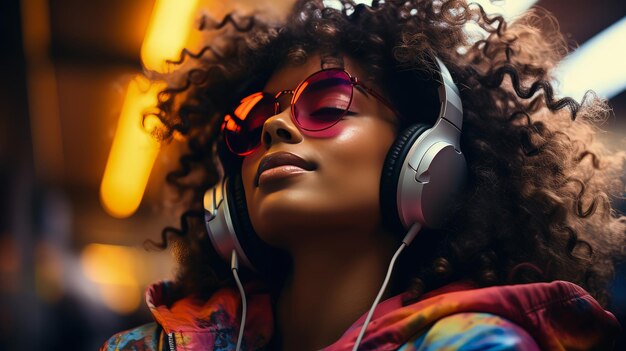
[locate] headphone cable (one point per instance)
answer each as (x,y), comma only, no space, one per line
(408,238)
(415,228)
(234,266)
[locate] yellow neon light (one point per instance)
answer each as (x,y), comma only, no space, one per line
(114,268)
(109,264)
(133,151)
(167,32)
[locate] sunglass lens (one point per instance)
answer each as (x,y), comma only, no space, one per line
(242,129)
(322,100)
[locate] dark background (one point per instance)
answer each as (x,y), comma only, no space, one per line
(51,163)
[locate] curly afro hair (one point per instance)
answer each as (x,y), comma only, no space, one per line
(537,206)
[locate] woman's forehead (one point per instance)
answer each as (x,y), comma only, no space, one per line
(290,75)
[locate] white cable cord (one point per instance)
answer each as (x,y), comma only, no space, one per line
(408,238)
(234,266)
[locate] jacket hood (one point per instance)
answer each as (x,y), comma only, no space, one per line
(558,315)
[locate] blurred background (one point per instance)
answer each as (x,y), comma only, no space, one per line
(72,263)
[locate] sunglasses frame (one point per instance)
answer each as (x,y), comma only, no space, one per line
(354,81)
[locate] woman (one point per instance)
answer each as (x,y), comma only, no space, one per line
(315,119)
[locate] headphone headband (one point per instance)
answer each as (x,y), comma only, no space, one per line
(449,97)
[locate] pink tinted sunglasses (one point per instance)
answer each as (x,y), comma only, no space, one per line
(317,103)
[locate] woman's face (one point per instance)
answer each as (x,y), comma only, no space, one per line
(334,188)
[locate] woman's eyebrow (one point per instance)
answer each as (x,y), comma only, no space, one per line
(362,90)
(326,83)
(331,61)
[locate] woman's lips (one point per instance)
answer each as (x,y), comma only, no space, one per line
(279,172)
(281,165)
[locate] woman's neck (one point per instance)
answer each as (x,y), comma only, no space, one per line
(331,286)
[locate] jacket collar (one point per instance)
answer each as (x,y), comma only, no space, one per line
(558,315)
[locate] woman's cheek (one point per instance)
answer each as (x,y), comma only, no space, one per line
(246,173)
(331,132)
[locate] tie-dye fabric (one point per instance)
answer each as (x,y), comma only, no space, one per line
(541,316)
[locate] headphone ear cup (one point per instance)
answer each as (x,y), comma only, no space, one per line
(242,225)
(266,260)
(240,218)
(391,175)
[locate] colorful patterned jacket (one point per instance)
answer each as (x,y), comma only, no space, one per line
(540,316)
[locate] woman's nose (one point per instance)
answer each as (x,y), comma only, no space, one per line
(280,128)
